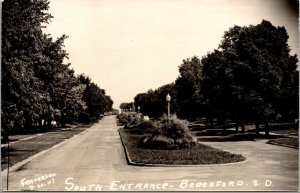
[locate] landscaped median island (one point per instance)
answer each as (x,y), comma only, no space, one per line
(167,141)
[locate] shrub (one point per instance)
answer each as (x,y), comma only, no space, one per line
(130,120)
(157,142)
(169,133)
(172,128)
(85,117)
(186,142)
(123,118)
(133,121)
(144,127)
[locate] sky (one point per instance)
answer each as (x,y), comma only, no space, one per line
(130,46)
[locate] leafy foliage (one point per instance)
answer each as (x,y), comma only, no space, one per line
(169,133)
(126,106)
(188,86)
(95,99)
(37,86)
(133,121)
(153,103)
(252,75)
(130,120)
(146,127)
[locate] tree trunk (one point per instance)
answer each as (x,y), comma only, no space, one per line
(224,126)
(45,124)
(211,123)
(27,127)
(49,123)
(40,123)
(5,134)
(63,123)
(257,127)
(243,126)
(267,132)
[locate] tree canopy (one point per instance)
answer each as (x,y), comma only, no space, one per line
(188,87)
(250,77)
(37,85)
(154,104)
(126,106)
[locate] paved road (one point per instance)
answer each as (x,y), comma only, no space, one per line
(95,160)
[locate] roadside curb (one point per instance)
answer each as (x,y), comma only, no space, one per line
(283,145)
(130,162)
(25,161)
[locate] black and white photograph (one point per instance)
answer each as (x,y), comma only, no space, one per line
(150,95)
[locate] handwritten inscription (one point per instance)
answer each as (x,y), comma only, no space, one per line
(71,186)
(183,185)
(38,182)
(192,184)
(116,185)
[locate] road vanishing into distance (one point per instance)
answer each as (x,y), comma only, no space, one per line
(95,160)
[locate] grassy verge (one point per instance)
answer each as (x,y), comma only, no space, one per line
(287,132)
(202,154)
(290,142)
(23,149)
(247,136)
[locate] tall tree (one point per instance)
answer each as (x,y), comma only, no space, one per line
(23,97)
(126,106)
(36,83)
(216,86)
(154,104)
(97,102)
(188,87)
(258,73)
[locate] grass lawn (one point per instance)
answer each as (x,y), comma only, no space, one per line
(287,131)
(24,149)
(202,154)
(293,142)
(247,136)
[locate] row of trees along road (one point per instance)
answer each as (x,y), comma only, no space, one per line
(127,106)
(251,77)
(37,86)
(153,103)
